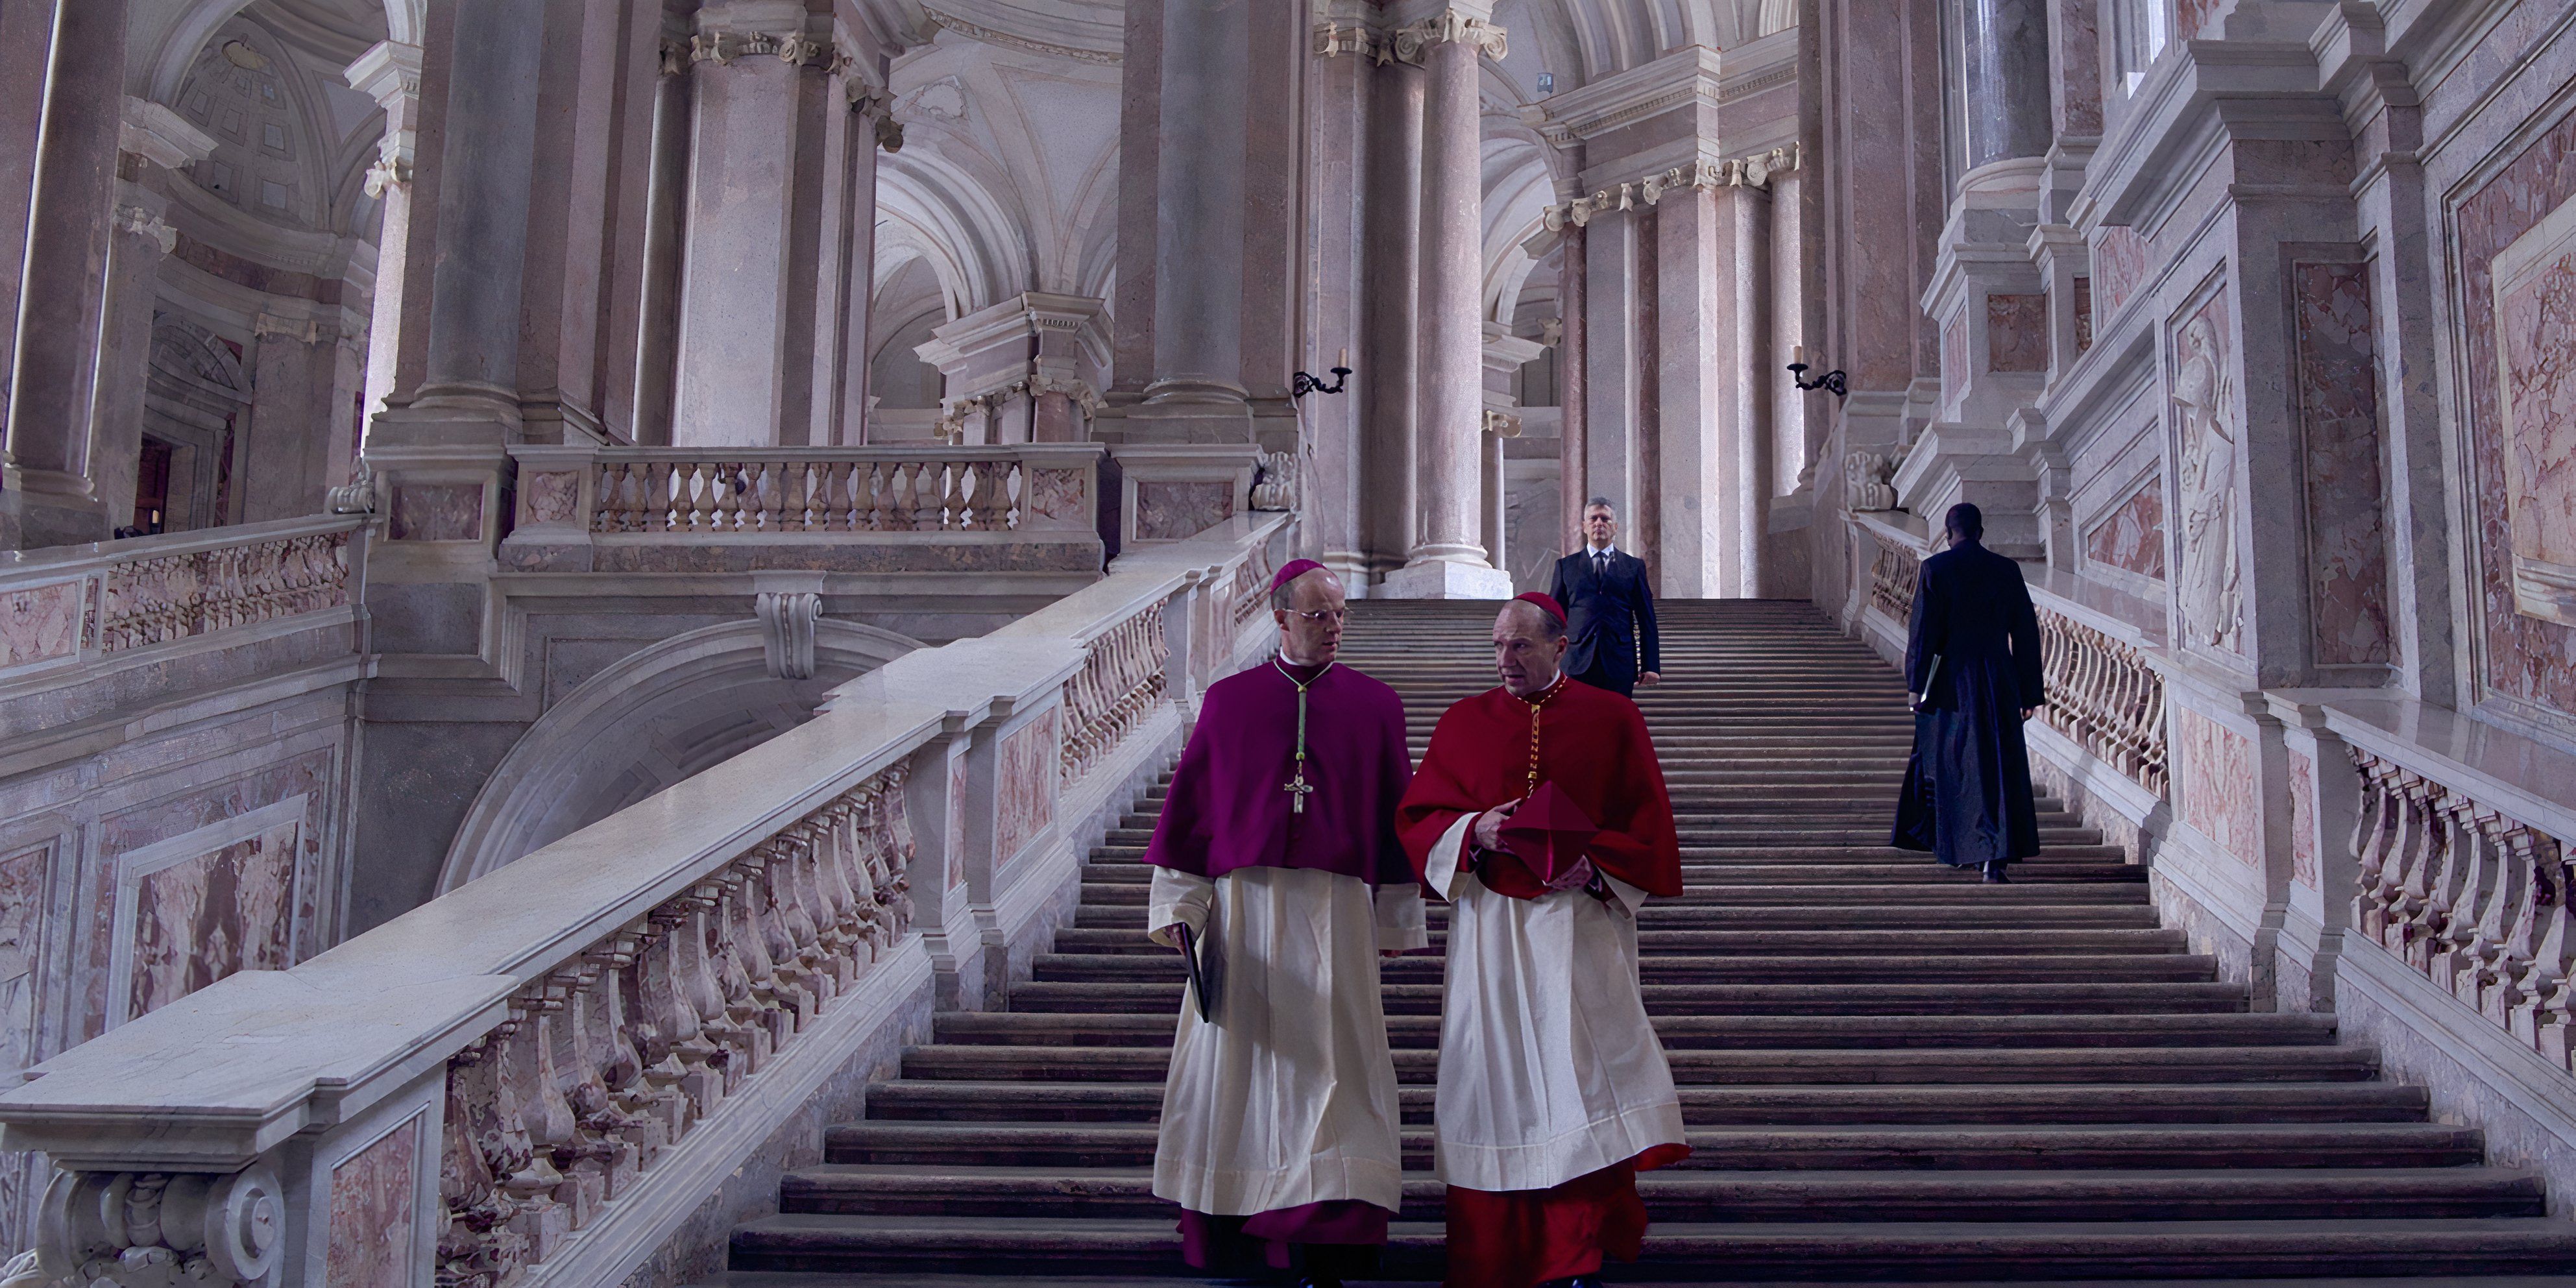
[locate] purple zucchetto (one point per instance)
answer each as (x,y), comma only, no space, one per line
(1294,569)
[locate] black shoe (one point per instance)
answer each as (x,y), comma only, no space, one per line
(1995,873)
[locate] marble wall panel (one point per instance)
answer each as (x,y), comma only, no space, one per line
(2535,308)
(2079,67)
(41,623)
(374,1229)
(2083,314)
(2303,819)
(23,896)
(2214,769)
(299,784)
(2208,427)
(551,497)
(2119,264)
(1056,499)
(1954,362)
(1027,777)
(438,512)
(202,918)
(2017,332)
(2521,658)
(1172,510)
(956,823)
(2131,535)
(2337,386)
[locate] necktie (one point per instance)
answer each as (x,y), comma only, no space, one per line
(1601,564)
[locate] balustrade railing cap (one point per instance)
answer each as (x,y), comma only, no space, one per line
(2528,781)
(216,1078)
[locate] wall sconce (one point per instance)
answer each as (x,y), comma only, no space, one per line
(1831,381)
(1302,384)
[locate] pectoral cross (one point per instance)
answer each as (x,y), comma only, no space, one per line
(1298,788)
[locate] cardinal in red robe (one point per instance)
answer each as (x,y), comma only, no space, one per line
(1553,1090)
(1276,852)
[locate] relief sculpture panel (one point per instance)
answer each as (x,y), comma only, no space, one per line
(2206,433)
(2511,261)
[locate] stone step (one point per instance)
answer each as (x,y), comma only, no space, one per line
(1720,863)
(2028,941)
(1728,1032)
(1794,1068)
(1685,1251)
(2234,1102)
(1036,996)
(1902,1146)
(1680,1194)
(828,1279)
(1104,887)
(1855,968)
(1129,920)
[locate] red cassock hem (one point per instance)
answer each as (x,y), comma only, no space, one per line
(1520,1238)
(1271,1238)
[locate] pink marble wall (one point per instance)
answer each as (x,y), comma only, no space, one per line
(374,1201)
(1026,783)
(309,776)
(2078,90)
(2524,657)
(1056,499)
(1170,510)
(40,623)
(2131,535)
(438,512)
(2214,767)
(2083,314)
(199,920)
(551,497)
(2303,819)
(2017,332)
(2119,264)
(2337,380)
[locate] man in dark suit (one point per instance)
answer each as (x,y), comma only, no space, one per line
(1610,612)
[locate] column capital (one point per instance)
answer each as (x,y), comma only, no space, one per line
(1407,43)
(1754,171)
(148,225)
(161,136)
(1335,38)
(388,73)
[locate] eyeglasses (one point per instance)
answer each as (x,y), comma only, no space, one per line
(1327,615)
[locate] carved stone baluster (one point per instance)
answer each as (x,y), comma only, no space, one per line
(2451,957)
(584,1154)
(743,1010)
(2411,904)
(672,975)
(524,1162)
(480,1245)
(2378,848)
(2518,945)
(853,950)
(627,1113)
(748,938)
(2546,978)
(807,917)
(777,947)
(890,864)
(699,986)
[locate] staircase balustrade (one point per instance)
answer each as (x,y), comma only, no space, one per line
(2471,898)
(2105,696)
(116,596)
(932,488)
(1892,578)
(546,1076)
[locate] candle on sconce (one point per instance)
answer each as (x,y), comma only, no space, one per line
(1797,355)
(1345,359)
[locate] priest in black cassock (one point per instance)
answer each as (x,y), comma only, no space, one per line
(1972,666)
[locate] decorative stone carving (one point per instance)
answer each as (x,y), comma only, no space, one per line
(2204,399)
(151,227)
(150,1229)
(2535,326)
(1500,424)
(1893,575)
(972,31)
(1406,43)
(795,49)
(1274,482)
(2105,697)
(787,621)
(154,601)
(1335,39)
(391,170)
(1868,484)
(1699,176)
(357,496)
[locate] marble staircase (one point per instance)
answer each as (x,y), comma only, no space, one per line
(1890,1071)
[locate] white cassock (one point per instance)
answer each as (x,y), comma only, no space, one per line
(1289,1098)
(1549,1068)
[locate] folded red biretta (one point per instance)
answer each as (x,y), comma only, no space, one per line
(1546,603)
(1295,569)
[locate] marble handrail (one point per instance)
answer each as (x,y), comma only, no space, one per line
(926,488)
(114,596)
(528,1055)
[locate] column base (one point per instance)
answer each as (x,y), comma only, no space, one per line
(1191,412)
(1443,579)
(43,508)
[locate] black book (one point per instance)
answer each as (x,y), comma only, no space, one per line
(1198,977)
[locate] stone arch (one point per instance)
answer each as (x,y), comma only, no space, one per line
(644,723)
(163,37)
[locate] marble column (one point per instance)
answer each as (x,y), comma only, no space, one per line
(2005,78)
(1197,393)
(1494,499)
(27,26)
(1449,560)
(486,166)
(1334,317)
(657,335)
(390,73)
(155,141)
(1387,370)
(571,211)
(1744,216)
(845,269)
(1698,485)
(1572,351)
(1611,317)
(748,274)
(303,415)
(45,483)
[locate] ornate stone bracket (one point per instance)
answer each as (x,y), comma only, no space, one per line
(1406,43)
(143,223)
(1337,39)
(1699,176)
(1274,482)
(391,170)
(787,620)
(150,1229)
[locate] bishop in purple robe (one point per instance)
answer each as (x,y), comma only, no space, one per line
(1277,860)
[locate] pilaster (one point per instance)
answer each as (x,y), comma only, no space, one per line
(153,142)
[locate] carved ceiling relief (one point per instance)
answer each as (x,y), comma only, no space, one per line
(2207,429)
